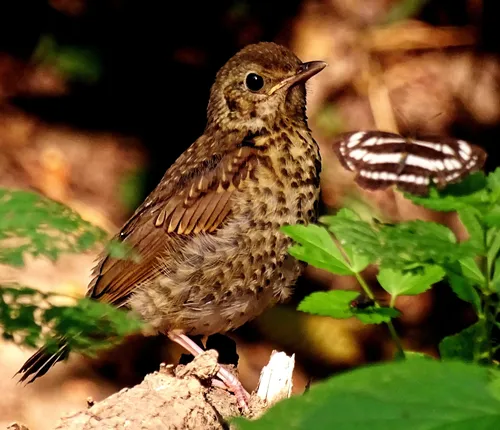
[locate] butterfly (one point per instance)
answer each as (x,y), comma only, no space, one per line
(381,159)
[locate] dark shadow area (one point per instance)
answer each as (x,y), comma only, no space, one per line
(158,61)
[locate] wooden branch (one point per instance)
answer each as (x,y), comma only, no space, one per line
(180,398)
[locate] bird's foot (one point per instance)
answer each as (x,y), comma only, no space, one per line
(228,379)
(234,385)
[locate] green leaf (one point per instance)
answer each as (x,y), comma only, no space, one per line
(466,345)
(470,219)
(462,286)
(493,244)
(415,355)
(398,283)
(471,192)
(90,326)
(35,225)
(420,242)
(316,246)
(493,181)
(87,326)
(357,237)
(335,304)
(375,315)
(495,282)
(417,394)
(399,246)
(472,272)
(338,304)
(357,262)
(492,217)
(495,386)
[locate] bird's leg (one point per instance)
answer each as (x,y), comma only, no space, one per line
(225,375)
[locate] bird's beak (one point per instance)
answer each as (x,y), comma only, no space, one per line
(306,71)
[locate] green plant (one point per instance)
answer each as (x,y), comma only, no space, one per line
(75,63)
(33,225)
(462,390)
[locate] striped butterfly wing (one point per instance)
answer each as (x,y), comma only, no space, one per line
(381,159)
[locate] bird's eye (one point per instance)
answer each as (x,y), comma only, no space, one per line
(254,82)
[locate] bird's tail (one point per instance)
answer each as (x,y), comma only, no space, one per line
(41,361)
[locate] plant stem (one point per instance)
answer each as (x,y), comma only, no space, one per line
(393,301)
(488,326)
(487,305)
(365,286)
(390,325)
(395,338)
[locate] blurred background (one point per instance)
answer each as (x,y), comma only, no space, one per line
(99,97)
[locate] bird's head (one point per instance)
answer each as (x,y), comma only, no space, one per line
(260,84)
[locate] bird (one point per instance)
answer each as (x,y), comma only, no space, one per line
(209,235)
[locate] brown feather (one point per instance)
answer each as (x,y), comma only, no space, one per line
(201,209)
(212,224)
(213,201)
(176,218)
(194,202)
(222,215)
(115,284)
(188,216)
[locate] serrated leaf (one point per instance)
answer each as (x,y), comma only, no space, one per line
(467,187)
(493,180)
(87,326)
(417,394)
(338,304)
(420,242)
(470,219)
(335,304)
(470,192)
(319,259)
(35,225)
(463,287)
(466,345)
(357,262)
(90,326)
(315,246)
(312,236)
(357,237)
(398,283)
(472,272)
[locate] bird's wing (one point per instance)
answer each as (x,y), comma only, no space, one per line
(195,195)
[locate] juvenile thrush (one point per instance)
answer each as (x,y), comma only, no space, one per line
(212,254)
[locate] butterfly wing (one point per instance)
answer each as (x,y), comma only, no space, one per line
(381,159)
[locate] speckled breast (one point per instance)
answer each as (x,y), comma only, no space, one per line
(259,272)
(235,273)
